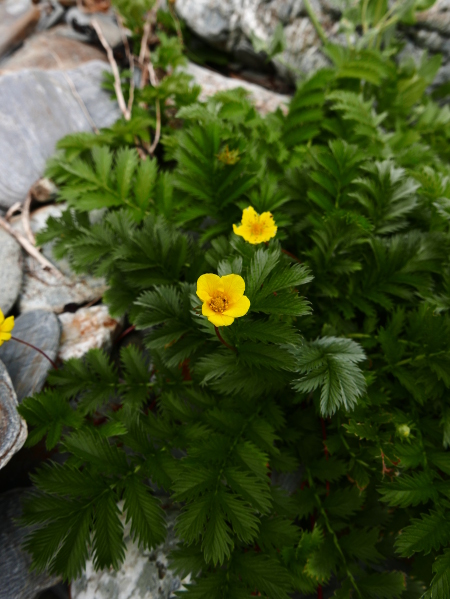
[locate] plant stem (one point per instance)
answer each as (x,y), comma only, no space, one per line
(332,533)
(222,340)
(36,349)
(317,26)
(291,255)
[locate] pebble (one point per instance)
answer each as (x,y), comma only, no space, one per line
(44,290)
(13,429)
(27,368)
(10,271)
(86,329)
(37,109)
(16,578)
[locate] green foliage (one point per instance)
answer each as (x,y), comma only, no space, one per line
(334,385)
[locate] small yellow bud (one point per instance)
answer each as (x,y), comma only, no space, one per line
(228,156)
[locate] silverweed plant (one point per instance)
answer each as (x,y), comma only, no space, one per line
(291,278)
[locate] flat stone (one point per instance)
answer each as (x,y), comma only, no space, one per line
(44,290)
(86,329)
(13,428)
(17,580)
(37,109)
(10,271)
(28,368)
(143,575)
(264,100)
(57,48)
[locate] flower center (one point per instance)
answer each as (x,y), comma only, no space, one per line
(219,303)
(257,228)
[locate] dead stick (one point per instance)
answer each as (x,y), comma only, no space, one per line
(26,219)
(115,70)
(130,60)
(158,128)
(17,207)
(28,247)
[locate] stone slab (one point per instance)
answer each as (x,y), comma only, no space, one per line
(37,109)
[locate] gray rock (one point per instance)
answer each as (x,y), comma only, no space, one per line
(13,429)
(10,271)
(27,368)
(143,575)
(234,25)
(265,100)
(38,108)
(44,290)
(17,581)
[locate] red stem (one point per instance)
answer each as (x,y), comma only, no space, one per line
(288,254)
(319,592)
(125,333)
(36,349)
(291,255)
(324,435)
(222,340)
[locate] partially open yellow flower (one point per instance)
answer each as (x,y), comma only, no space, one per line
(256,228)
(223,298)
(6,326)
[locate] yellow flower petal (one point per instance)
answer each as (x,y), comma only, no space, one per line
(207,285)
(5,336)
(218,320)
(240,308)
(233,287)
(7,325)
(2,318)
(249,215)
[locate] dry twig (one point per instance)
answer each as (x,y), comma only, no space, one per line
(29,247)
(26,219)
(130,58)
(146,66)
(115,69)
(14,208)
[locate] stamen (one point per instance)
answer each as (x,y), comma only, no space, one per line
(219,304)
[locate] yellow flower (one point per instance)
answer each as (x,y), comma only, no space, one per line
(6,326)
(223,298)
(256,228)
